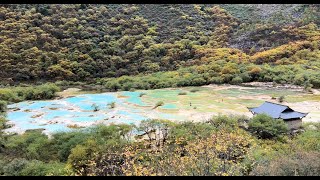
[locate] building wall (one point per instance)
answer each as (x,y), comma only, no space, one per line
(294,124)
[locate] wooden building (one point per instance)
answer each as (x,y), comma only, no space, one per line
(279,111)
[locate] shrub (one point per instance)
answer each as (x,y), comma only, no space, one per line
(182,93)
(194,90)
(188,131)
(159,103)
(64,142)
(266,127)
(8,94)
(281,99)
(236,80)
(3,106)
(17,94)
(216,80)
(30,145)
(95,107)
(245,77)
(39,168)
(112,105)
(23,167)
(298,164)
(309,140)
(307,87)
(14,167)
(223,121)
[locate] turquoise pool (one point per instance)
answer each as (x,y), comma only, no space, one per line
(59,115)
(134,98)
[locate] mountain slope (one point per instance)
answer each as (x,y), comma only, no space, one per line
(83,41)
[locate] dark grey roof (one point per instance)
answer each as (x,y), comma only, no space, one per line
(272,109)
(292,115)
(277,111)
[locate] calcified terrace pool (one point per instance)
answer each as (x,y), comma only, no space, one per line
(132,107)
(78,112)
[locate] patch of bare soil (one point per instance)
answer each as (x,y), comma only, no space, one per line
(315,91)
(225,86)
(68,92)
(202,117)
(255,97)
(271,85)
(311,107)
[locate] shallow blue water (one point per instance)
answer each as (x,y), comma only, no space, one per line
(132,116)
(75,100)
(123,113)
(88,118)
(55,115)
(38,105)
(169,106)
(134,98)
(58,113)
(18,115)
(86,102)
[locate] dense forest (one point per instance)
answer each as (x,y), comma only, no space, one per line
(218,43)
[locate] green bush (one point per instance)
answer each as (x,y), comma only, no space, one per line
(159,103)
(112,105)
(182,93)
(297,164)
(14,167)
(64,142)
(189,131)
(23,167)
(95,107)
(223,121)
(3,137)
(2,165)
(309,140)
(194,90)
(3,106)
(281,99)
(39,168)
(265,127)
(17,94)
(216,80)
(237,80)
(30,145)
(9,94)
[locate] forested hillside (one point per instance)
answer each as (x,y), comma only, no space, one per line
(81,42)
